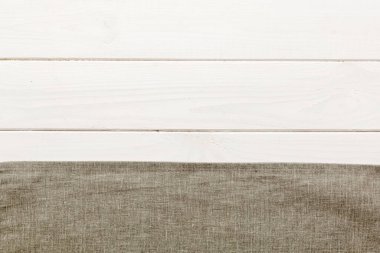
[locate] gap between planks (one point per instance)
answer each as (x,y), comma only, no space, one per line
(193,130)
(182,59)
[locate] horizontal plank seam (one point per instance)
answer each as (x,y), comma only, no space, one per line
(193,130)
(183,59)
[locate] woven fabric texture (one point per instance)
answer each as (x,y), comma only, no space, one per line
(171,207)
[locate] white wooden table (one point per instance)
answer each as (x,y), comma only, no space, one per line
(190,81)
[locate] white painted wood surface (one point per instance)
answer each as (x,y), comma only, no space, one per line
(227,81)
(190,95)
(362,148)
(195,29)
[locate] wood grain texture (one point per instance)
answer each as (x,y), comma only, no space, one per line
(212,29)
(349,148)
(190,95)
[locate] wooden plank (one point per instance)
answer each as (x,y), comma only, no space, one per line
(211,29)
(190,95)
(353,148)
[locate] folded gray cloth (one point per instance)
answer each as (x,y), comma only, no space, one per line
(173,207)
